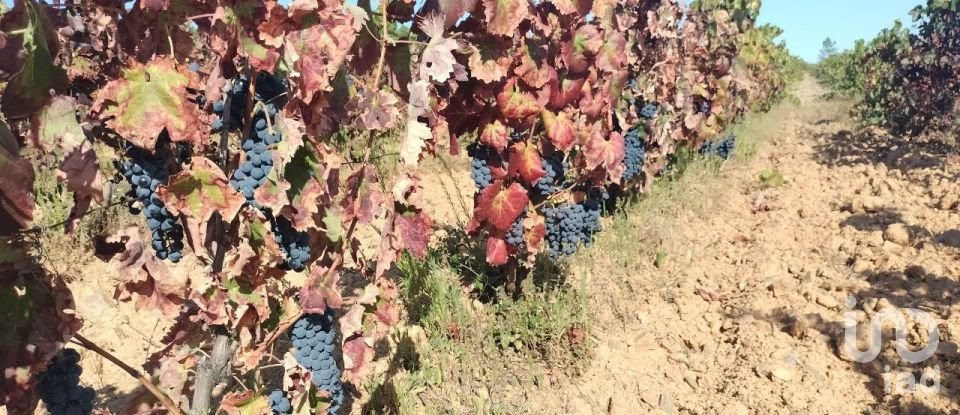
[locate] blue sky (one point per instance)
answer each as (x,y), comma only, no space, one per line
(806,23)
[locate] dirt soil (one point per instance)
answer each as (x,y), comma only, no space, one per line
(747,314)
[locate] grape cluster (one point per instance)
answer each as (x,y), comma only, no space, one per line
(279,403)
(479,166)
(722,148)
(294,244)
(258,159)
(555,169)
(514,235)
(649,110)
(704,107)
(634,152)
(238,106)
(315,340)
(145,172)
(570,225)
(59,386)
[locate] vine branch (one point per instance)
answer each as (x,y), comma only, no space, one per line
(153,389)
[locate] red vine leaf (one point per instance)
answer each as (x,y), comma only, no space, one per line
(606,152)
(16,184)
(515,103)
(378,110)
(497,252)
(262,58)
(505,16)
(585,43)
(613,53)
(495,135)
(389,247)
(525,162)
(452,10)
(81,172)
(357,355)
(534,68)
(501,206)
(489,59)
(56,126)
(415,230)
(559,129)
(533,235)
(321,290)
(149,98)
(143,276)
(351,322)
(320,51)
(566,91)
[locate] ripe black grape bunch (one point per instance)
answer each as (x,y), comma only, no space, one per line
(554,177)
(720,147)
(257,157)
(634,152)
(314,339)
(572,225)
(59,386)
(145,172)
(649,110)
(483,158)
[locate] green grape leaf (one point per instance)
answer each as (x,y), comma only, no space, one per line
(31,41)
(199,191)
(149,98)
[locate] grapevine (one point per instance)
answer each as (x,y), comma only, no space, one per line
(239,134)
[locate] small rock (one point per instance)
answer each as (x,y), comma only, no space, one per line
(666,403)
(691,380)
(897,233)
(873,204)
(783,286)
(860,266)
(827,300)
(921,290)
(736,408)
(874,239)
(616,405)
(949,201)
(580,407)
(650,397)
(782,373)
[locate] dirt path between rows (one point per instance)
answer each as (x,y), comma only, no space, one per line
(747,315)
